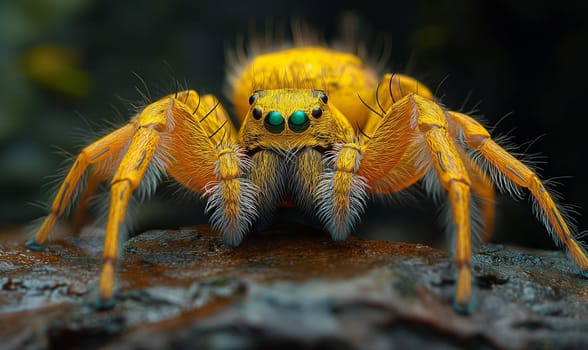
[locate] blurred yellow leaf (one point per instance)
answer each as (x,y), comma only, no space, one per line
(56,68)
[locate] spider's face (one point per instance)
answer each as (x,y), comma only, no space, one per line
(288,119)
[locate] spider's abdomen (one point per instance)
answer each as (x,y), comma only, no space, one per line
(341,75)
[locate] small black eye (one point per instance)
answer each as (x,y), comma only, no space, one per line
(252,99)
(256,113)
(317,112)
(324,98)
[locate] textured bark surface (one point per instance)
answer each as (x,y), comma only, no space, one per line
(289,289)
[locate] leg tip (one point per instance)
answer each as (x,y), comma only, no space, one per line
(32,245)
(466,309)
(104,304)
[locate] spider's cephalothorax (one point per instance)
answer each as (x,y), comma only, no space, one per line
(316,124)
(290,119)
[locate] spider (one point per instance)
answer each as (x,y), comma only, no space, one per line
(320,128)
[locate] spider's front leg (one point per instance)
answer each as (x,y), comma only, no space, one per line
(410,134)
(406,136)
(189,137)
(418,140)
(433,145)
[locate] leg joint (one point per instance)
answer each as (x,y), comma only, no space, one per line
(348,158)
(425,127)
(110,260)
(476,141)
(462,264)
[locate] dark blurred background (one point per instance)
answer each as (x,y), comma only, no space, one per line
(67,66)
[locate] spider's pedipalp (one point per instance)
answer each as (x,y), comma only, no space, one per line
(341,193)
(232,199)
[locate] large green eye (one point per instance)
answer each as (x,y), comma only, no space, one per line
(298,121)
(274,122)
(274,118)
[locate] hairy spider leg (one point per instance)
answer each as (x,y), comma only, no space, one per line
(101,150)
(97,173)
(484,189)
(459,175)
(79,217)
(189,137)
(411,167)
(478,138)
(428,128)
(149,132)
(127,178)
(455,179)
(198,140)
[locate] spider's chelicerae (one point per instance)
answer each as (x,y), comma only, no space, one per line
(316,125)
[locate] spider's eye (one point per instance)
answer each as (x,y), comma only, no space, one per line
(252,99)
(256,113)
(323,97)
(298,121)
(317,112)
(274,122)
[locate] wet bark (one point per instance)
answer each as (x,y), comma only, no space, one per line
(291,288)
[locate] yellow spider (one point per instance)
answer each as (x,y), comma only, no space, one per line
(320,128)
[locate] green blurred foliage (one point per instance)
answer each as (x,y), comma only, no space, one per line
(57,69)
